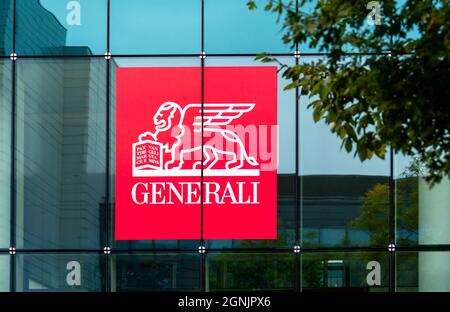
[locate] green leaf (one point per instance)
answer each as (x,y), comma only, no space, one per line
(251,5)
(348,145)
(362,153)
(317,114)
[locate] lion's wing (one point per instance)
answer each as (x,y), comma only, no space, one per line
(217,114)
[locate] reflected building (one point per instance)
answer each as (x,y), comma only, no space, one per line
(60,152)
(6,27)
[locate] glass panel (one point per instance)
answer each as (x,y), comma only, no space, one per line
(155,272)
(181,90)
(4,272)
(60,160)
(59,272)
(55,27)
(344,202)
(358,271)
(256,146)
(5,151)
(230,27)
(422,212)
(253,271)
(406,175)
(424,271)
(149,27)
(6,27)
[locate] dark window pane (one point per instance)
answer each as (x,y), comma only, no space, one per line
(124,62)
(55,27)
(60,159)
(155,27)
(286,155)
(230,27)
(423,214)
(6,27)
(361,272)
(5,151)
(139,272)
(255,271)
(4,272)
(344,202)
(425,271)
(59,272)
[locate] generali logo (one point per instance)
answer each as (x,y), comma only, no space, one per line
(179,162)
(148,152)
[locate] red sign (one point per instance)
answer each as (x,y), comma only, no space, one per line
(176,157)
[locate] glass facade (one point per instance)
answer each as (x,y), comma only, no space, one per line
(342,224)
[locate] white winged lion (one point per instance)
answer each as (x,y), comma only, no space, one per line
(173,120)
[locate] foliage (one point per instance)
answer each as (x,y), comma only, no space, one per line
(395,94)
(373,216)
(374,212)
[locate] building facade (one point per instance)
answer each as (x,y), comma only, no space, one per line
(342,224)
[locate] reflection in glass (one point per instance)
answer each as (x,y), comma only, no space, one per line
(59,272)
(407,172)
(5,151)
(6,27)
(139,272)
(149,27)
(255,271)
(344,202)
(286,159)
(425,271)
(60,159)
(423,214)
(54,27)
(115,63)
(4,272)
(362,271)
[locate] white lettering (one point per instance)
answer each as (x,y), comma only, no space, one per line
(228,193)
(144,194)
(158,192)
(154,193)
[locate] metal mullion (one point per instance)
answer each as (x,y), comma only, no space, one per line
(418,248)
(298,258)
(108,26)
(14,26)
(194,55)
(391,221)
(107,215)
(61,56)
(391,218)
(12,177)
(202,69)
(59,252)
(107,205)
(12,237)
(108,170)
(56,56)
